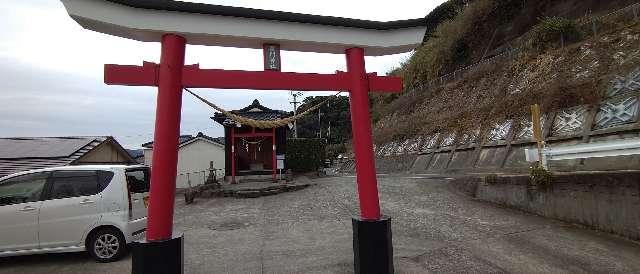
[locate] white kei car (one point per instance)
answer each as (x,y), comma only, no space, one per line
(97,208)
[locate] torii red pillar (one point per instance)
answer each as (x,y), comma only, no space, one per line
(372,244)
(165,139)
(362,137)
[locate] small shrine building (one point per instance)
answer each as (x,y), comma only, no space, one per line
(253,152)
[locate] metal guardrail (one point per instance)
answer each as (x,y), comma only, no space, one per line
(622,147)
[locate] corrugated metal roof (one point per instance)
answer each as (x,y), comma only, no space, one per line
(39,152)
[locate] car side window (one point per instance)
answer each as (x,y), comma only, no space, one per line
(104,178)
(138,180)
(23,189)
(67,184)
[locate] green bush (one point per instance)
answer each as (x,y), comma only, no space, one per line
(461,52)
(551,29)
(446,47)
(304,155)
(446,11)
(334,150)
(540,177)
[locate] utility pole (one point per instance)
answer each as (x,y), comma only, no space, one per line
(295,112)
(319,124)
(329,128)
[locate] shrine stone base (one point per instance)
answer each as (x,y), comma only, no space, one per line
(159,257)
(372,246)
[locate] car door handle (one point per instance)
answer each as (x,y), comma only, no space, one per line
(28,208)
(86,202)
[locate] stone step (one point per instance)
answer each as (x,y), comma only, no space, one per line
(260,192)
(254,180)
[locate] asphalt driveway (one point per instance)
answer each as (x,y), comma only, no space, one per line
(435,229)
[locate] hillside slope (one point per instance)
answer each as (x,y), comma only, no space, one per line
(575,74)
(463,32)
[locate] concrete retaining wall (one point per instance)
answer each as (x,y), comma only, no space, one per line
(505,156)
(606,201)
(391,164)
(499,147)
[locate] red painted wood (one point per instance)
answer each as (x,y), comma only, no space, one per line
(361,131)
(384,84)
(273,158)
(165,143)
(145,75)
(262,80)
(233,155)
(194,77)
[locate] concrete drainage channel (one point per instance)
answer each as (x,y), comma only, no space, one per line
(229,225)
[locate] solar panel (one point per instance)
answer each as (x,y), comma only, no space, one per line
(12,148)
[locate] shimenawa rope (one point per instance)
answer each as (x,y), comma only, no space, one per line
(261,123)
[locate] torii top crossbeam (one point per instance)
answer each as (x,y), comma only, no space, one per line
(214,25)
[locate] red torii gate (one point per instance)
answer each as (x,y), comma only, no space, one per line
(171,75)
(175,23)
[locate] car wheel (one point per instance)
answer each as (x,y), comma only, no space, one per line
(107,245)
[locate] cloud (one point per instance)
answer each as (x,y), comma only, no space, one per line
(51,71)
(40,102)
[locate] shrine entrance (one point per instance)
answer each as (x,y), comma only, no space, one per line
(254,154)
(250,151)
(176,23)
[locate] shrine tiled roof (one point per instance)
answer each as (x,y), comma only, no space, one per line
(255,111)
(184,139)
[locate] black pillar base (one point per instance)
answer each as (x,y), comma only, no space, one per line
(372,246)
(161,257)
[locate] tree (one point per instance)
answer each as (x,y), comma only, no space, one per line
(334,122)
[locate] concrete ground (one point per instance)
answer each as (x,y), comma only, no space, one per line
(435,229)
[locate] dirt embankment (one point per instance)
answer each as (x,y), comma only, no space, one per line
(574,75)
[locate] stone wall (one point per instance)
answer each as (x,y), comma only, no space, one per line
(606,201)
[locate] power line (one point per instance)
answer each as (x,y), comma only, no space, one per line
(295,103)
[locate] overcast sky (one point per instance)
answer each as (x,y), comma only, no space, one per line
(51,70)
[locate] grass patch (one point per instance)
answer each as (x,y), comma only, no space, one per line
(490,179)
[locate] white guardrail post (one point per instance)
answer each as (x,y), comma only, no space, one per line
(622,147)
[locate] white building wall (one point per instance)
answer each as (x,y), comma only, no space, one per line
(148,156)
(193,162)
